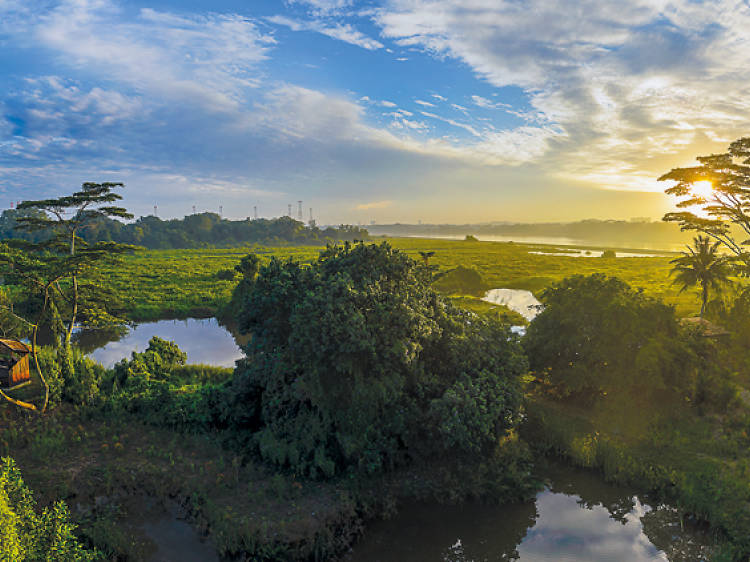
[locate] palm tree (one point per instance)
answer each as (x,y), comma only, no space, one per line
(701,265)
(426,257)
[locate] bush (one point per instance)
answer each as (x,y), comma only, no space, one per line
(71,375)
(226,274)
(461,280)
(26,535)
(355,363)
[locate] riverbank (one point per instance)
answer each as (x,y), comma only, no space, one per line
(117,474)
(699,464)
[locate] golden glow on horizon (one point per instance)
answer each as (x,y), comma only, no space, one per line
(703,189)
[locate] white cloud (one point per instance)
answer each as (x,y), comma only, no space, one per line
(453,122)
(374,205)
(342,32)
(424,103)
(439,97)
(207,60)
(628,83)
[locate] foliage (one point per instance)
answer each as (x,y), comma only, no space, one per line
(65,248)
(728,204)
(355,363)
(609,254)
(198,230)
(461,280)
(701,265)
(596,335)
(26,535)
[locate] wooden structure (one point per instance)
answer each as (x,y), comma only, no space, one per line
(14,364)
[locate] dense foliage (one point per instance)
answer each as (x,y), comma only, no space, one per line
(193,231)
(29,535)
(597,336)
(356,363)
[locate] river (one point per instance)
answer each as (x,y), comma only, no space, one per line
(577,517)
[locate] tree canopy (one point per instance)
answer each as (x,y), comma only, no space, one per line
(596,336)
(355,363)
(193,231)
(723,200)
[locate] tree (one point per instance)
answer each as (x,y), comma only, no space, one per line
(597,336)
(720,187)
(44,272)
(356,364)
(702,265)
(426,257)
(92,203)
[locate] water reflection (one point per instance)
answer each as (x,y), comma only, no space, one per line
(583,253)
(523,302)
(578,517)
(203,339)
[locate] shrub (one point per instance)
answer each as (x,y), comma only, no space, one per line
(26,535)
(461,280)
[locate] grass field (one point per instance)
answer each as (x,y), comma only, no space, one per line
(181,283)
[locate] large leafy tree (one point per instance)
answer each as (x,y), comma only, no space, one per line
(702,265)
(64,219)
(598,336)
(725,207)
(355,363)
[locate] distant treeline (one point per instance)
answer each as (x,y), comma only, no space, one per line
(634,233)
(200,230)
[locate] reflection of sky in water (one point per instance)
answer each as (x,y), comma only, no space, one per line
(584,519)
(566,532)
(517,300)
(580,253)
(204,341)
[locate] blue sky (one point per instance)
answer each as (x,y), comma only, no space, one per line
(395,110)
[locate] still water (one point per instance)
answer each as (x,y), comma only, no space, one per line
(518,300)
(578,517)
(203,339)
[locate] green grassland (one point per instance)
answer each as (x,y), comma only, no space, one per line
(181,283)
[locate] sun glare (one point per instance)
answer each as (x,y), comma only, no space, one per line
(703,189)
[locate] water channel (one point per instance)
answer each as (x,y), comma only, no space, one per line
(577,517)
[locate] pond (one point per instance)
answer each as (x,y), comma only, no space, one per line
(523,302)
(577,517)
(203,339)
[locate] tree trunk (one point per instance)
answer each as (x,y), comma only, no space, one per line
(74,314)
(704,298)
(33,351)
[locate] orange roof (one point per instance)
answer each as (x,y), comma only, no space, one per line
(14,345)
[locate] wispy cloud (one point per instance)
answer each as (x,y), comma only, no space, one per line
(374,205)
(342,32)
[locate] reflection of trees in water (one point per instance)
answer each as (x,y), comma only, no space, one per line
(497,537)
(681,541)
(91,339)
(593,491)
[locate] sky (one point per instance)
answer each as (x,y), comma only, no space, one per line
(389,111)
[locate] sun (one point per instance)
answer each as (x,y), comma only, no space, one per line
(703,189)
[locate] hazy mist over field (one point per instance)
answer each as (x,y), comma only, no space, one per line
(387,111)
